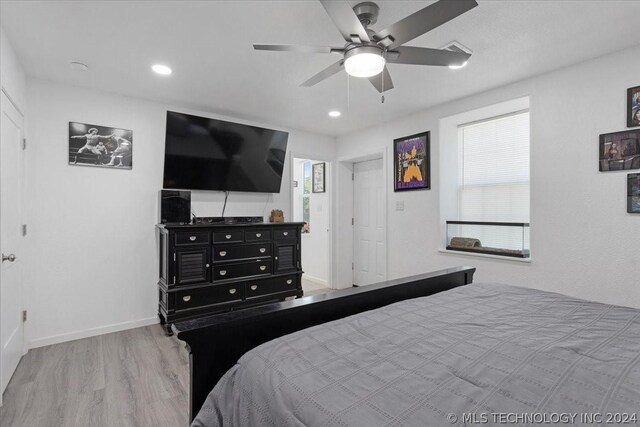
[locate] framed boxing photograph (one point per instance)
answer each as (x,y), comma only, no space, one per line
(633,107)
(100,146)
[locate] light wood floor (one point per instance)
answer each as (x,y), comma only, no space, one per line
(137,377)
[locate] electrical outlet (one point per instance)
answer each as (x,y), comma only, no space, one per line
(400,205)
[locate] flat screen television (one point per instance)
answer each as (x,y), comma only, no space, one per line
(209,154)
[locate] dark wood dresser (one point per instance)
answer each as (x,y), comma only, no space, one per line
(207,269)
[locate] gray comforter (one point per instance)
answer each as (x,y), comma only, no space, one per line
(482,354)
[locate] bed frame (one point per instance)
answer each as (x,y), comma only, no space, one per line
(215,343)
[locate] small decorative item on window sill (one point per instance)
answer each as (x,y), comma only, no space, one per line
(276,216)
(510,239)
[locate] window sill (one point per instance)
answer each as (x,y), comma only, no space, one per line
(500,257)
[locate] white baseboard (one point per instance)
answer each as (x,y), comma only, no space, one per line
(86,333)
(316,280)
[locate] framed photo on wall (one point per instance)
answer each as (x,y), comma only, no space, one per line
(633,107)
(412,162)
(633,193)
(100,146)
(317,173)
(620,151)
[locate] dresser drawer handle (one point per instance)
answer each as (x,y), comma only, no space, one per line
(223,272)
(228,236)
(192,238)
(263,250)
(232,291)
(258,234)
(254,287)
(285,233)
(289,282)
(263,267)
(207,265)
(223,253)
(186,298)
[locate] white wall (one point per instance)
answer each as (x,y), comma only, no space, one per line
(583,242)
(12,77)
(93,257)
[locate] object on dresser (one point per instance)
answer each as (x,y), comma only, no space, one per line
(207,269)
(276,216)
(208,220)
(175,207)
(227,220)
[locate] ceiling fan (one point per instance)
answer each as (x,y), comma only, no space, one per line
(366,52)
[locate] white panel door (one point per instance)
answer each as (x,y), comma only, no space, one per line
(370,224)
(11,326)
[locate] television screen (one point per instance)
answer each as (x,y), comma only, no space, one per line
(210,154)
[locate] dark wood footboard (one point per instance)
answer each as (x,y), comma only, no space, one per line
(215,343)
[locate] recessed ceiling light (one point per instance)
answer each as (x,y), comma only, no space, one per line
(161,69)
(78,66)
(335,113)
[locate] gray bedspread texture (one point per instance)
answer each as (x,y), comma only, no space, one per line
(483,354)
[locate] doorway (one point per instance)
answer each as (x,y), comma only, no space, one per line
(311,204)
(369,223)
(11,297)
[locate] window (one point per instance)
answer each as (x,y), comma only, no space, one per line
(493,177)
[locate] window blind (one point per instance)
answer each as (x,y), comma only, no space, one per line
(494,169)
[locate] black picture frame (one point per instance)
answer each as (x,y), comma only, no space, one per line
(633,193)
(318,183)
(633,107)
(100,146)
(412,162)
(619,151)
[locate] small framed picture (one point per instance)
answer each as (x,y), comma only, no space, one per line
(633,193)
(318,185)
(412,162)
(620,151)
(100,146)
(633,107)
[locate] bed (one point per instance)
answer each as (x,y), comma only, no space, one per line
(469,354)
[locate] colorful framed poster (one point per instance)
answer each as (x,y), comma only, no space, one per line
(412,162)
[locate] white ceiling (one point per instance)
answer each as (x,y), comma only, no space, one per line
(209,47)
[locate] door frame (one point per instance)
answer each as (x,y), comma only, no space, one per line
(344,213)
(25,347)
(328,179)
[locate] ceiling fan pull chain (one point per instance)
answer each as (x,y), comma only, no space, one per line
(382,98)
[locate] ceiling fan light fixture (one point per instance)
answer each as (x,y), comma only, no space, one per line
(365,61)
(457,67)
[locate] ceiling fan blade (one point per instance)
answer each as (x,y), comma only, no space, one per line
(378,83)
(427,56)
(345,19)
(324,74)
(298,48)
(423,21)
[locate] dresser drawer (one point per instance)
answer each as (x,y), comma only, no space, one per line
(210,295)
(243,269)
(257,235)
(284,233)
(237,252)
(259,288)
(228,236)
(192,237)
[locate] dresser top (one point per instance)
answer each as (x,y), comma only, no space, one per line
(254,224)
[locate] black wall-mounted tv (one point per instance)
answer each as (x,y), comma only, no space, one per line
(209,154)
